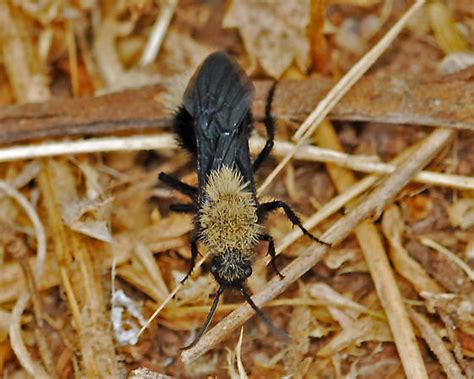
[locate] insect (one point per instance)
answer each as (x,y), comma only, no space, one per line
(214,123)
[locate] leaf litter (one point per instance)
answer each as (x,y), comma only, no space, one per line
(104,208)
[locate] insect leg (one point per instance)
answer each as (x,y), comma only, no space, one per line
(265,208)
(183,208)
(271,252)
(208,319)
(270,128)
(178,185)
(274,329)
(194,254)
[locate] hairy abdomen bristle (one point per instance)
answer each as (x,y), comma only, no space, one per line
(228,218)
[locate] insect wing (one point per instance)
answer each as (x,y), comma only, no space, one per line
(218,98)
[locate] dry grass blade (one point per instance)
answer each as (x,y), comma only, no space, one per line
(450,255)
(373,203)
(234,359)
(437,346)
(168,299)
(340,89)
(444,26)
(16,340)
(409,268)
(158,32)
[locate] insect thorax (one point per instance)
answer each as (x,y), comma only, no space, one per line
(228,215)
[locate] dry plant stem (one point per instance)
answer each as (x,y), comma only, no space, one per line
(27,86)
(339,231)
(72,52)
(281,148)
(391,299)
(450,255)
(16,341)
(331,207)
(95,337)
(457,348)
(375,98)
(50,149)
(383,277)
(363,164)
(61,248)
(96,329)
(340,89)
(437,346)
(158,32)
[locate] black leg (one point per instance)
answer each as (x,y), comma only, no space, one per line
(178,185)
(183,208)
(265,208)
(270,127)
(274,329)
(272,253)
(208,319)
(194,254)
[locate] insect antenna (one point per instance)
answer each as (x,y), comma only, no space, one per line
(274,329)
(208,319)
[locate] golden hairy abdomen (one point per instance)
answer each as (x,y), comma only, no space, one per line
(228,218)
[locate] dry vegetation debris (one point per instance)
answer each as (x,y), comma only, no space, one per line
(89,250)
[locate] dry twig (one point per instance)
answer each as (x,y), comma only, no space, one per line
(381,272)
(372,204)
(340,89)
(164,141)
(158,32)
(376,98)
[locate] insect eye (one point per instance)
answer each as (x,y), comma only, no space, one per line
(248,271)
(214,268)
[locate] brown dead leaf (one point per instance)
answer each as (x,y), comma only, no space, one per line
(89,217)
(196,290)
(406,266)
(361,330)
(299,328)
(44,12)
(462,306)
(144,273)
(417,207)
(342,309)
(94,188)
(113,73)
(339,257)
(461,213)
(274,32)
